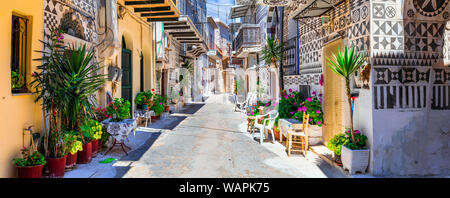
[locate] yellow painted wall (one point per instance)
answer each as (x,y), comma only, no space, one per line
(17,111)
(139,38)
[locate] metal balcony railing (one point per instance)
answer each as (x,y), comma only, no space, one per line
(249,35)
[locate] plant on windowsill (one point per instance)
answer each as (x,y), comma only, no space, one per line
(345,64)
(30,165)
(17,82)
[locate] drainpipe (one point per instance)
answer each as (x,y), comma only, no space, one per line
(281,62)
(297,51)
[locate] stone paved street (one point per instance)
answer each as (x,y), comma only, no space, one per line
(212,143)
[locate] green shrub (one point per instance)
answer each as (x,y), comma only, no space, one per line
(119,109)
(335,143)
(29,160)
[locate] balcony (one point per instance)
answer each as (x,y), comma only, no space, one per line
(248,40)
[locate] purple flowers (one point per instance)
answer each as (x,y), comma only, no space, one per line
(357,132)
(292,112)
(290,90)
(313,93)
(319,122)
(292,96)
(299,109)
(304,108)
(309,99)
(318,111)
(321,80)
(295,103)
(61,37)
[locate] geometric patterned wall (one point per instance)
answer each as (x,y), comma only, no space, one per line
(79,14)
(408,54)
(350,19)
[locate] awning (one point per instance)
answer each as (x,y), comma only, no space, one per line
(155,10)
(313,8)
(185,32)
(238,11)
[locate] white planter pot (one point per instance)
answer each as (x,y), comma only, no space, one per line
(355,160)
(315,135)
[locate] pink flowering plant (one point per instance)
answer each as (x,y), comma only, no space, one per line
(360,140)
(313,107)
(289,103)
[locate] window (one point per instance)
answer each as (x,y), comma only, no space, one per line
(19,54)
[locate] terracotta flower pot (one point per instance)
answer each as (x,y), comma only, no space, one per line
(30,171)
(276,132)
(153,118)
(85,156)
(71,160)
(100,146)
(167,108)
(56,167)
(94,148)
(158,117)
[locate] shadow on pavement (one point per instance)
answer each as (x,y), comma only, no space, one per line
(135,155)
(191,108)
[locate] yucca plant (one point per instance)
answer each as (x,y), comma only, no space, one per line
(345,64)
(79,80)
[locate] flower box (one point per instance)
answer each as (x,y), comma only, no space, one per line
(315,135)
(355,160)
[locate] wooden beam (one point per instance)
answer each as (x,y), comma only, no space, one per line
(162,19)
(154,9)
(157,14)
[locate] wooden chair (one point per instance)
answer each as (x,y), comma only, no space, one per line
(299,137)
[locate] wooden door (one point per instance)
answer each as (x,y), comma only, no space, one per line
(333,94)
(127,75)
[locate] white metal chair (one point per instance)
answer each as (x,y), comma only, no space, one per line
(270,121)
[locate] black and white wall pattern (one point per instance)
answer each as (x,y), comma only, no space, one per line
(76,17)
(350,19)
(408,52)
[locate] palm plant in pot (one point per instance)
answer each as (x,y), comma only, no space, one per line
(66,86)
(30,165)
(345,65)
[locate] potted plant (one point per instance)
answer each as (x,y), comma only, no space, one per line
(313,107)
(276,130)
(73,145)
(56,160)
(100,115)
(345,65)
(158,107)
(355,155)
(92,130)
(17,81)
(335,145)
(119,109)
(30,165)
(145,99)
